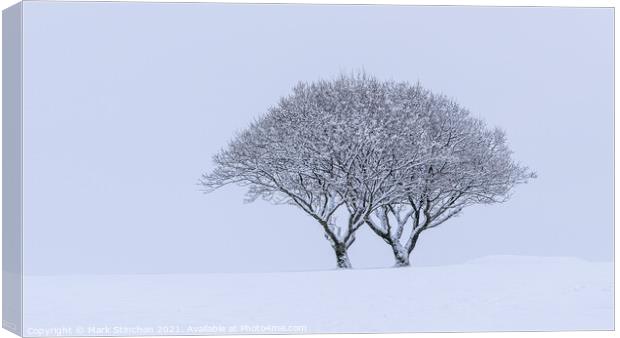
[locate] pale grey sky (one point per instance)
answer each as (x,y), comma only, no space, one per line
(125,103)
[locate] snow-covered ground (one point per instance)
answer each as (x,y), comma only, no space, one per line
(494,293)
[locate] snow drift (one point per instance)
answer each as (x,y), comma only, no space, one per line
(494,293)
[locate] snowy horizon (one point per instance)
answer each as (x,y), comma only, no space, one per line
(122,116)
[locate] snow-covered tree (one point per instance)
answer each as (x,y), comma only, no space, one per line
(461,162)
(303,150)
(393,155)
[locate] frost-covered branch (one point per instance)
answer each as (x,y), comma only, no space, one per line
(391,155)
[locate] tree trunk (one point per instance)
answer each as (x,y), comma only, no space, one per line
(411,244)
(342,258)
(401,256)
(413,241)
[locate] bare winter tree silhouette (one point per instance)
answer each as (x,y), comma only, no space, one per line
(393,155)
(460,162)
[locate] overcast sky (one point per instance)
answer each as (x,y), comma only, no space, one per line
(125,104)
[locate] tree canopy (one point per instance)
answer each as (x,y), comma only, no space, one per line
(395,156)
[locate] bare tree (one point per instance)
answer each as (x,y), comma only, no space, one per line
(302,152)
(393,155)
(462,163)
